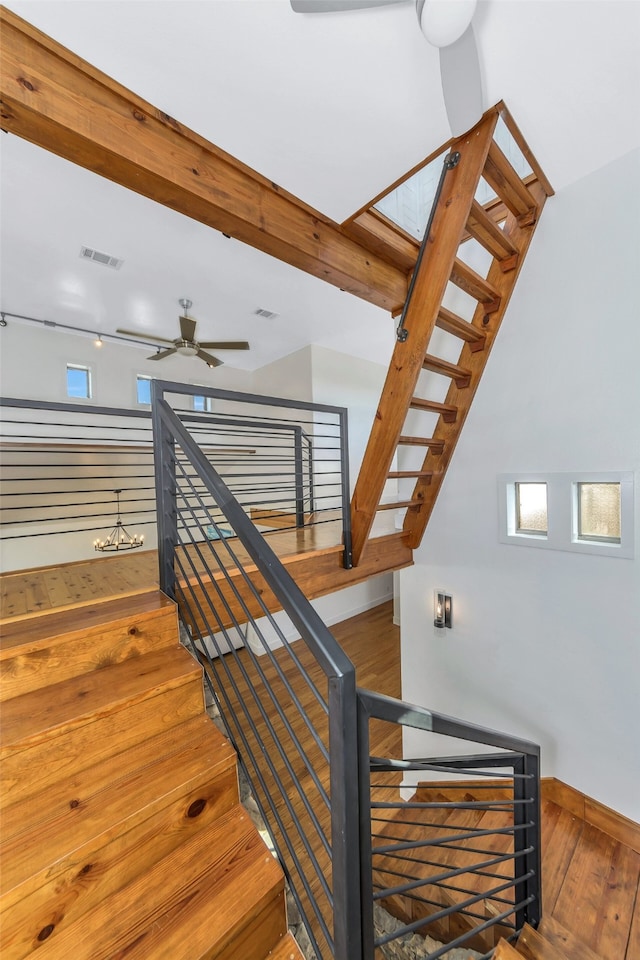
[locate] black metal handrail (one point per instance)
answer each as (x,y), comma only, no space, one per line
(301,771)
(475,857)
(342,831)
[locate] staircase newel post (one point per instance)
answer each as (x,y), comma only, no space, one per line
(164,459)
(345,826)
(526,787)
(366,860)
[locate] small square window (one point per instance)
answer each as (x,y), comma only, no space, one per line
(599,512)
(78,381)
(200,404)
(531,508)
(143,389)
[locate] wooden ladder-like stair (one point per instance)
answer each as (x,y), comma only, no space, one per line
(504,228)
(122,831)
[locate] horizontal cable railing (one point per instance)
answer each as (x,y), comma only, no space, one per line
(458,862)
(289,708)
(66,468)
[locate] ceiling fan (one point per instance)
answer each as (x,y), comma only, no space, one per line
(186,343)
(446,24)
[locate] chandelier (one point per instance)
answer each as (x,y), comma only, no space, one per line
(119,538)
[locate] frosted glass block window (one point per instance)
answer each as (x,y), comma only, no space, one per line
(531,508)
(599,511)
(78,381)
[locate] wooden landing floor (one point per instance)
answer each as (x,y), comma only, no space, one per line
(312,554)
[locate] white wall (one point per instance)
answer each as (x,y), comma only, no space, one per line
(546,644)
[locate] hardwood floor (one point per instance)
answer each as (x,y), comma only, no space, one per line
(590,886)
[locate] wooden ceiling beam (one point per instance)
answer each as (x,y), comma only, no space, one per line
(56,100)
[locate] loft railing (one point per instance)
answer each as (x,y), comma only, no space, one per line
(62,463)
(287,696)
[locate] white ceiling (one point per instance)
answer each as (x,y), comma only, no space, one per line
(332,107)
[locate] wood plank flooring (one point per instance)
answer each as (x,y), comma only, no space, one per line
(313,556)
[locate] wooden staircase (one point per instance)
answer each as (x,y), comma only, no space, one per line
(122,831)
(504,227)
(590,874)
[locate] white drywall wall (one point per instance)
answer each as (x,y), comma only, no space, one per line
(546,644)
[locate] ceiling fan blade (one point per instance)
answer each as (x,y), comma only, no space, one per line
(225,344)
(462,83)
(209,359)
(143,336)
(187,328)
(337,6)
(161,354)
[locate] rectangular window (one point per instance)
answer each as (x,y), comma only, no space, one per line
(531,508)
(599,512)
(78,381)
(200,403)
(143,389)
(589,513)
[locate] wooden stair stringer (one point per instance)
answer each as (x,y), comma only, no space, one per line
(429,284)
(475,361)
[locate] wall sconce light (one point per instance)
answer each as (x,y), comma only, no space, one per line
(442,609)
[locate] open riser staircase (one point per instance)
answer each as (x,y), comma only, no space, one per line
(122,831)
(504,228)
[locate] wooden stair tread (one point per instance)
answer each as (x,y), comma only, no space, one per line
(502,177)
(447,411)
(29,632)
(33,717)
(435,445)
(286,949)
(451,323)
(461,375)
(45,650)
(464,277)
(409,474)
(115,836)
(87,820)
(486,231)
(533,945)
(399,504)
(504,951)
(53,800)
(191,905)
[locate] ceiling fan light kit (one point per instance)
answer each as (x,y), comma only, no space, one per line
(186,344)
(444,21)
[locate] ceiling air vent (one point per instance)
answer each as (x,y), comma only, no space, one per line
(266,314)
(87,253)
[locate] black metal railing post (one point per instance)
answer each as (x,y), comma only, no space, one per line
(299,476)
(527,815)
(346,490)
(166,510)
(345,820)
(310,468)
(366,871)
